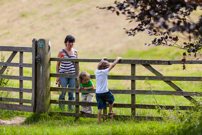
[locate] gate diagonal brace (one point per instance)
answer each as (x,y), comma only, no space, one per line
(170,83)
(8,61)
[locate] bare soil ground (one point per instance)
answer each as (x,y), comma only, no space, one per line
(14,121)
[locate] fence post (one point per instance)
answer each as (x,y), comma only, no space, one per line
(21,74)
(76,86)
(43,76)
(34,51)
(133,87)
(104,113)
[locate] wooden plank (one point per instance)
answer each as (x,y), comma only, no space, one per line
(119,105)
(12,89)
(63,75)
(8,61)
(144,92)
(132,61)
(106,116)
(21,81)
(121,77)
(173,85)
(34,74)
(124,61)
(16,77)
(133,89)
(16,107)
(19,49)
(15,64)
(15,100)
(157,78)
(156,92)
(187,62)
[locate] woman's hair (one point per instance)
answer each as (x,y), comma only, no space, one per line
(69,38)
(83,75)
(103,65)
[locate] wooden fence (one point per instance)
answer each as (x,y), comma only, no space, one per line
(9,103)
(133,91)
(43,89)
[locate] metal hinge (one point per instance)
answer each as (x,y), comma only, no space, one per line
(38,58)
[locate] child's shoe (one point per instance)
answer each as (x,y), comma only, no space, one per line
(111,113)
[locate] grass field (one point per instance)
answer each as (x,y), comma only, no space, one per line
(98,34)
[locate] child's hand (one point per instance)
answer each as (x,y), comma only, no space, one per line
(104,58)
(119,58)
(79,88)
(85,88)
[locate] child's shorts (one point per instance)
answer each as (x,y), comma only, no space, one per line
(102,98)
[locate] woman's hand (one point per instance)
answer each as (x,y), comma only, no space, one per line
(79,88)
(58,80)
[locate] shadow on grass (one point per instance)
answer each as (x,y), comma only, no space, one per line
(47,117)
(34,118)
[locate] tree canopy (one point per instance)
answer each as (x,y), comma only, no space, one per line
(161,18)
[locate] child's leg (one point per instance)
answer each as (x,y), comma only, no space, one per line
(99,114)
(101,103)
(83,99)
(110,107)
(110,99)
(89,109)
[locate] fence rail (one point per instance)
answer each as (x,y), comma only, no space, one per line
(16,49)
(144,92)
(132,61)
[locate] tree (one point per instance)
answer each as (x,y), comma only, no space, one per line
(161,18)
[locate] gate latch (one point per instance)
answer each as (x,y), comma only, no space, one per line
(38,58)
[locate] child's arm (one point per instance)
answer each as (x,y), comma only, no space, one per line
(89,88)
(79,87)
(114,63)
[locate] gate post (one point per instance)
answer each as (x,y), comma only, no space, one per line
(43,76)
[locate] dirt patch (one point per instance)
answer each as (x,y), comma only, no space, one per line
(13,121)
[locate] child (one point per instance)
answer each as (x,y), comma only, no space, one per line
(86,84)
(103,94)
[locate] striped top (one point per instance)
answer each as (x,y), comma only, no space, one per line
(67,67)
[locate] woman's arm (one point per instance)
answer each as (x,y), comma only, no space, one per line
(58,66)
(78,57)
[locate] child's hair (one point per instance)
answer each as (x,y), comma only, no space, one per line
(103,65)
(83,75)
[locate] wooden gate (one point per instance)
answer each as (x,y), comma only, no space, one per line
(18,102)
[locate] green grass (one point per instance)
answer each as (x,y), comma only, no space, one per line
(54,124)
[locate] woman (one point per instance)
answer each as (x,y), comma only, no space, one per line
(67,67)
